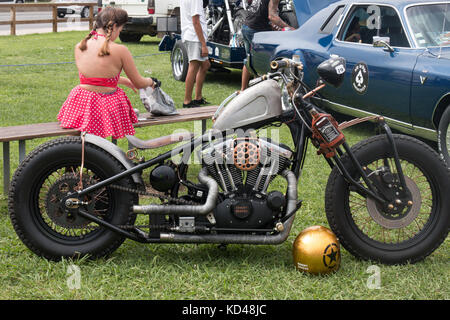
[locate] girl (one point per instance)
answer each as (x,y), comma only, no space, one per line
(97,106)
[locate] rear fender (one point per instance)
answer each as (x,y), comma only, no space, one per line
(116,153)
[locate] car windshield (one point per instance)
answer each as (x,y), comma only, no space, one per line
(430,24)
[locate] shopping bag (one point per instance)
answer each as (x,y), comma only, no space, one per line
(157,102)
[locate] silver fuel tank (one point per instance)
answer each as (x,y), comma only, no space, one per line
(259,102)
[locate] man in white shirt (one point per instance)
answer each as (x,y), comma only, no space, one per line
(193,34)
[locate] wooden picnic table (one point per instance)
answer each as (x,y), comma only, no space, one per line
(25,132)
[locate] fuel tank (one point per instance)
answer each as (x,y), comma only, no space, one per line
(259,102)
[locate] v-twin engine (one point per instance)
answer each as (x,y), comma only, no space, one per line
(245,164)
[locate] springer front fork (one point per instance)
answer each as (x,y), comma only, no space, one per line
(383,184)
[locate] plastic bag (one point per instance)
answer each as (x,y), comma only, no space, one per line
(157,102)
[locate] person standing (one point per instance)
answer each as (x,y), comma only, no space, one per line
(262,15)
(193,35)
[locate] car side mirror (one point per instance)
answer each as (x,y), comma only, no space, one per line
(382,42)
(332,71)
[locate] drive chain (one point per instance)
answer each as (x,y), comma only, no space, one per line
(155,195)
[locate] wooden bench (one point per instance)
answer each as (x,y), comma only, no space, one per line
(52,129)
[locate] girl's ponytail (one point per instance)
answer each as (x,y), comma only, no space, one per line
(104,50)
(83,43)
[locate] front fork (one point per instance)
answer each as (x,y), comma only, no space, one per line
(380,184)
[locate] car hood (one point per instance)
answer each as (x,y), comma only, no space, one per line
(305,9)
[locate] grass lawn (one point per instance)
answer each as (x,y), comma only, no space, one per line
(31,94)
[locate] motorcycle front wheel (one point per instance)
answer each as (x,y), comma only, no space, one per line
(44,178)
(370,233)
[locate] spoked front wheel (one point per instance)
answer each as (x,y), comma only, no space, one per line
(412,229)
(45,178)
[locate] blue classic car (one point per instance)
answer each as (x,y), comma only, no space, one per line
(398,59)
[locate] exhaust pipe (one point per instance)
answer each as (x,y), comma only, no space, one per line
(186,210)
(236,238)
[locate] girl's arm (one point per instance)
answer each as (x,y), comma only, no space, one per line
(131,71)
(127,82)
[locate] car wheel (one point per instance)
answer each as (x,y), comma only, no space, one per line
(85,12)
(20,1)
(61,14)
(180,61)
(444,136)
(130,37)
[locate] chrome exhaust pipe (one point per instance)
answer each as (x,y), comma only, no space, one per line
(271,239)
(186,210)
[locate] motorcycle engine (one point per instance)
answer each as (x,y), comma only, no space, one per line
(244,168)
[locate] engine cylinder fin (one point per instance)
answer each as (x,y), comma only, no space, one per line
(220,161)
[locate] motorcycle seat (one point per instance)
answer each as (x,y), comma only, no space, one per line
(160,141)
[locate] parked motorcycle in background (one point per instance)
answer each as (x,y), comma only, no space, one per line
(226,17)
(224,21)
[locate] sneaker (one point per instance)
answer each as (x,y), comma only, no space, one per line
(200,101)
(191,104)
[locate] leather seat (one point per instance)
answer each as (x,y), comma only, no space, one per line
(160,141)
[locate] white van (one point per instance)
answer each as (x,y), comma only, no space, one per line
(142,16)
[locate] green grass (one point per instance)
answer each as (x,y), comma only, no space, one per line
(137,271)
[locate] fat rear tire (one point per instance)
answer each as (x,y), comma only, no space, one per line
(342,212)
(29,200)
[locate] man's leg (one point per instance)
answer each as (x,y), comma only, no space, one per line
(248,34)
(200,79)
(194,66)
(245,78)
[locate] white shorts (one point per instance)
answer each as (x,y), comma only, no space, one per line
(194,50)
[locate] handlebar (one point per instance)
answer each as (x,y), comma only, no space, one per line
(276,66)
(286,63)
(259,79)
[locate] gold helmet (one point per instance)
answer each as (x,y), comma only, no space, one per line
(316,250)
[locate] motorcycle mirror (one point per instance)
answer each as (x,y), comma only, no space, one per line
(332,71)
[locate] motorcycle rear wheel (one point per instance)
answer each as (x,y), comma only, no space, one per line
(371,234)
(44,178)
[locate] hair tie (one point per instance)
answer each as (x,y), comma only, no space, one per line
(95,34)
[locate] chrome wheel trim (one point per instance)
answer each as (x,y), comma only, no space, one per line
(177,62)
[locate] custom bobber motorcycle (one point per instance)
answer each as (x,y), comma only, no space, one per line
(386,197)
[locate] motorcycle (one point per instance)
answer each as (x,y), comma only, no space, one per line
(386,197)
(224,19)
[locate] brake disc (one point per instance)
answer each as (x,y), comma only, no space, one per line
(401,220)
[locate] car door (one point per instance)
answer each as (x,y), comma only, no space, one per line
(378,79)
